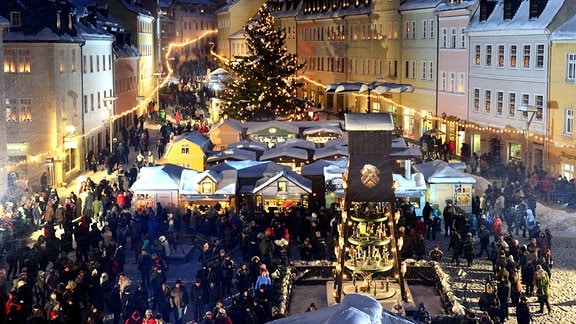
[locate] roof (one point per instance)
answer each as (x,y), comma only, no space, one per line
(194,137)
(369,122)
(337,142)
(317,168)
(298,143)
(300,181)
(251,169)
(330,151)
(438,171)
(254,127)
(285,151)
(225,182)
(233,123)
(141,10)
(231,154)
(447,6)
(322,129)
(339,13)
(250,145)
(520,21)
(286,12)
(567,31)
(418,4)
(164,177)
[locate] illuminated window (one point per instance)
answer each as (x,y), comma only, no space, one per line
(477,54)
(73,58)
(499,102)
(476,99)
(526,56)
(62,61)
(500,55)
(282,186)
(539,103)
(488,55)
(10,61)
(23,61)
(540,56)
(206,187)
(25,109)
(511,104)
(487,100)
(11,110)
(513,55)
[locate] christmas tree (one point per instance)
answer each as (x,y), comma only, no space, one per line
(265,84)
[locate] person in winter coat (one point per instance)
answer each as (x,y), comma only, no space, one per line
(164,305)
(264,278)
(178,301)
(468,248)
(422,315)
(542,284)
(489,302)
(503,293)
(523,315)
(135,318)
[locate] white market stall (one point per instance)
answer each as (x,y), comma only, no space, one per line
(157,184)
(446,183)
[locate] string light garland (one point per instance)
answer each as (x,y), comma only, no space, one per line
(59,149)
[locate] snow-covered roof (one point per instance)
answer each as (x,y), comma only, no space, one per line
(369,122)
(285,151)
(298,143)
(438,171)
(250,145)
(254,127)
(317,168)
(567,31)
(354,308)
(231,154)
(225,182)
(251,169)
(342,141)
(330,151)
(164,177)
(235,124)
(322,129)
(447,6)
(194,137)
(340,13)
(418,4)
(520,21)
(300,181)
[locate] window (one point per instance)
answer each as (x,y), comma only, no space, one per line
(444,38)
(85,65)
(569,121)
(453,38)
(452,84)
(407,30)
(11,110)
(389,30)
(25,109)
(570,67)
(476,99)
(206,187)
(525,102)
(442,81)
(487,100)
(431,28)
(410,69)
(15,20)
(91,64)
(424,28)
(462,38)
(461,83)
(424,69)
(511,104)
(526,56)
(430,70)
(513,55)
(477,54)
(73,58)
(62,61)
(499,102)
(10,61)
(185,149)
(539,103)
(282,186)
(540,56)
(500,55)
(488,55)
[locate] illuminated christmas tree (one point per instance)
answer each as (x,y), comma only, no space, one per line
(265,84)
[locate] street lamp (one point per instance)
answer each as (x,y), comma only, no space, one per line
(111,114)
(533,110)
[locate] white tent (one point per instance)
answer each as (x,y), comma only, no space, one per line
(158,184)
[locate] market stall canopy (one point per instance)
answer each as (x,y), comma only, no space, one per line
(438,171)
(251,169)
(433,132)
(377,87)
(255,127)
(331,152)
(317,168)
(285,152)
(322,130)
(163,177)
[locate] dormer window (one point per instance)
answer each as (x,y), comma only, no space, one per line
(70,22)
(206,187)
(58,22)
(15,20)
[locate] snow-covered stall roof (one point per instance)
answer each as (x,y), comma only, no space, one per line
(298,143)
(317,168)
(251,169)
(250,145)
(330,151)
(225,182)
(163,177)
(438,171)
(355,308)
(254,127)
(322,129)
(288,152)
(413,187)
(302,182)
(231,154)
